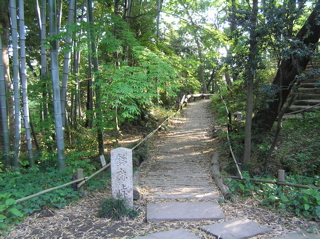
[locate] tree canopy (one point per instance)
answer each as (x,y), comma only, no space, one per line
(92,66)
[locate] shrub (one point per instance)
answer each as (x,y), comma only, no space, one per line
(116,209)
(302,202)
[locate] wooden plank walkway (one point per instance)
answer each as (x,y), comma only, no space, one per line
(180,164)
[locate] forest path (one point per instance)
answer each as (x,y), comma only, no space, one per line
(180,163)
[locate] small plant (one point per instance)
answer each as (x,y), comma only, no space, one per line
(9,214)
(302,202)
(116,209)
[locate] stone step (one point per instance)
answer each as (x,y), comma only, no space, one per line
(174,234)
(176,211)
(236,229)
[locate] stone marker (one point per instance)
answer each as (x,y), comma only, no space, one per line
(121,175)
(175,234)
(236,229)
(173,211)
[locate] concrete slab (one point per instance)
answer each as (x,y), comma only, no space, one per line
(236,229)
(175,234)
(174,211)
(298,235)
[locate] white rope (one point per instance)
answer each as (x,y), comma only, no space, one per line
(230,147)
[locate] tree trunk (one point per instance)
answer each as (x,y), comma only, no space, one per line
(66,62)
(42,16)
(56,85)
(308,37)
(89,105)
(24,82)
(251,73)
(16,84)
(97,79)
(6,102)
(4,110)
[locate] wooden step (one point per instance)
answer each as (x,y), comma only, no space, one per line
(309,85)
(294,108)
(309,90)
(308,96)
(306,102)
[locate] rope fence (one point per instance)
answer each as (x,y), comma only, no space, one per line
(229,142)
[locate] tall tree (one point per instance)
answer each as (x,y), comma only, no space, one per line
(195,32)
(16,83)
(4,110)
(251,75)
(97,78)
(24,82)
(42,16)
(6,101)
(56,84)
(66,62)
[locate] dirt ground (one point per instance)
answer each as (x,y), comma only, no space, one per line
(81,220)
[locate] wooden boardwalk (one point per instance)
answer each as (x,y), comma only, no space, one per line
(180,164)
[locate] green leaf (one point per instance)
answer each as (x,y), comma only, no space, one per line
(3,207)
(16,212)
(10,201)
(306,206)
(2,217)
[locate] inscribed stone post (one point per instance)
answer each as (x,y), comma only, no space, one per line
(121,175)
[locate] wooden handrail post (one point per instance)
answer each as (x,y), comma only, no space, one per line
(80,175)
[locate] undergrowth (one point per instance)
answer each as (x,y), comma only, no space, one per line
(116,208)
(297,152)
(302,202)
(19,184)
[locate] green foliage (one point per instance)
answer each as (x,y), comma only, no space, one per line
(115,208)
(301,202)
(21,184)
(9,213)
(298,147)
(99,183)
(80,159)
(132,88)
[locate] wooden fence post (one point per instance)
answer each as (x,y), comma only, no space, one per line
(79,176)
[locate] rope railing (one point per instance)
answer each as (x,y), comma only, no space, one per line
(229,142)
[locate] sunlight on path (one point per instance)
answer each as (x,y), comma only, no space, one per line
(179,166)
